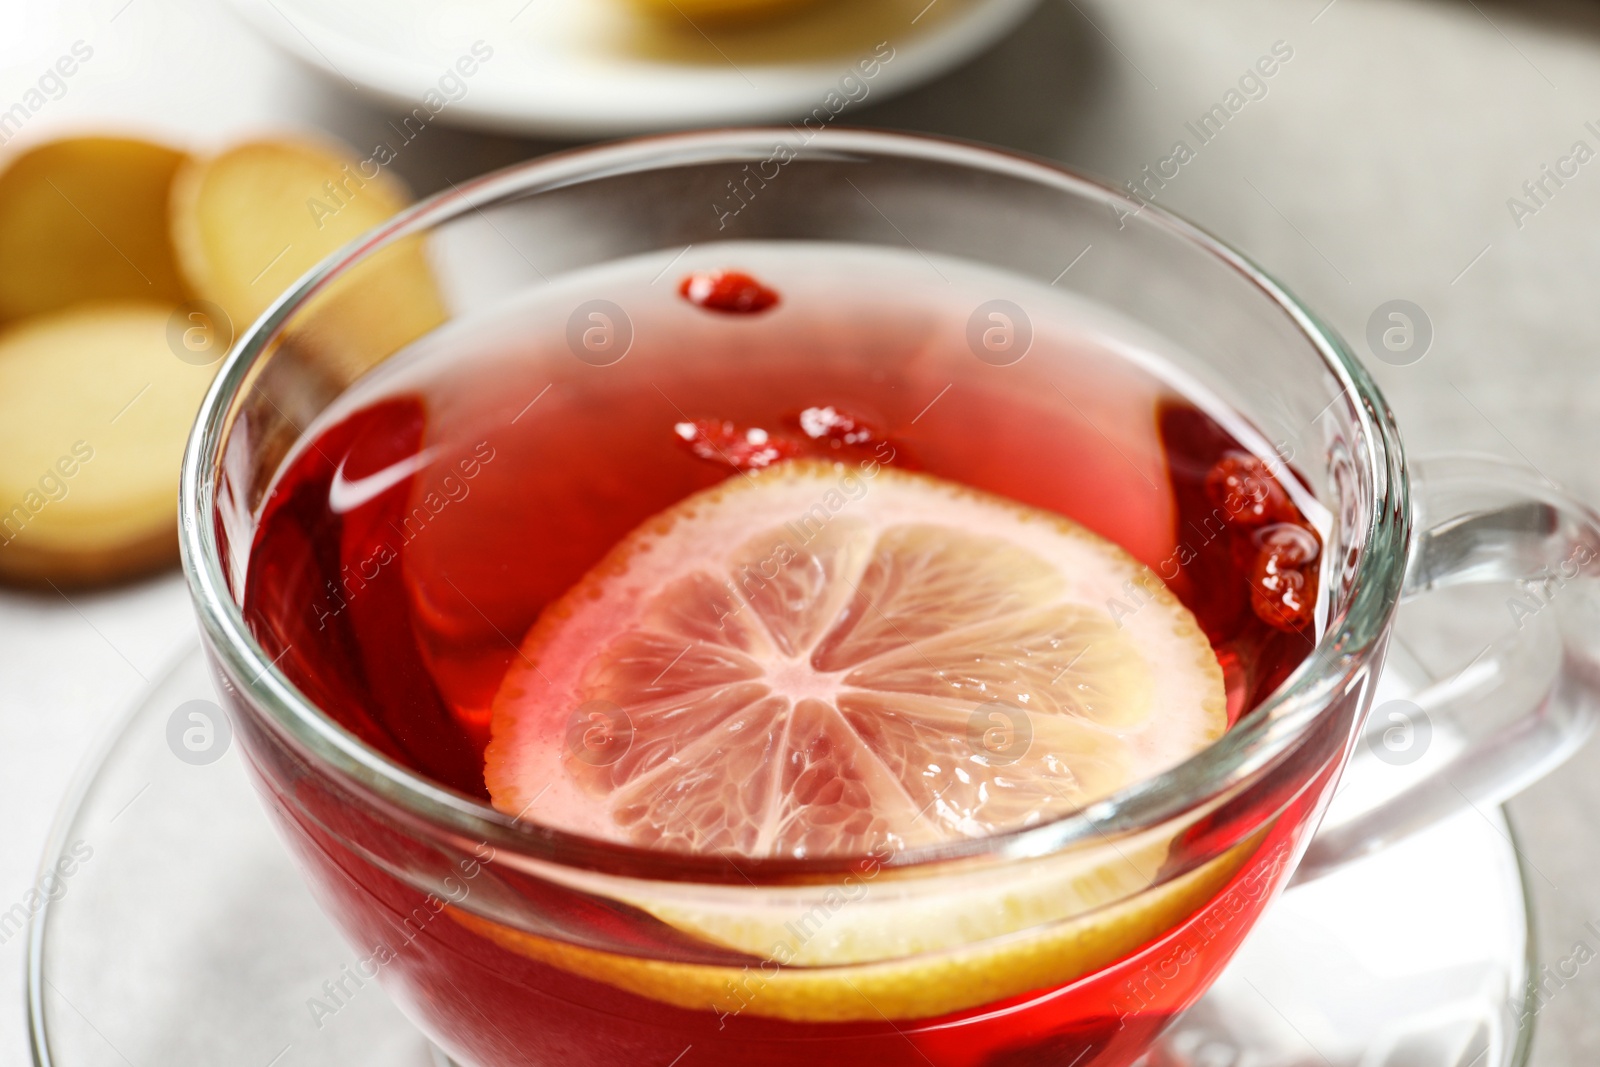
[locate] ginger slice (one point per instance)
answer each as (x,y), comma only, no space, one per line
(85,219)
(249,222)
(95,409)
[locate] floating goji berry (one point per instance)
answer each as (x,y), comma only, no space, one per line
(1242,486)
(742,448)
(731,292)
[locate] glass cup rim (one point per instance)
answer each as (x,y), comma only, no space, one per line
(1260,738)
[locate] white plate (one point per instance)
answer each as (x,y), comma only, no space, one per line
(589,68)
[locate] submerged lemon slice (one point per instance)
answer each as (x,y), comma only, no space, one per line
(821,660)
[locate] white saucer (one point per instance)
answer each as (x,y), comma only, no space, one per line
(594,68)
(182,937)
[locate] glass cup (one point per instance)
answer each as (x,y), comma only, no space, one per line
(1075,941)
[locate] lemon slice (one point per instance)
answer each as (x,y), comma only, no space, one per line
(807,661)
(779,984)
(817,660)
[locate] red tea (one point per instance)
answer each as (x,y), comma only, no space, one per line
(418,531)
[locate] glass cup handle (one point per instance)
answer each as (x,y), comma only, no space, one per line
(1525,703)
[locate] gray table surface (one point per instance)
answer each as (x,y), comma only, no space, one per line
(1378,166)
